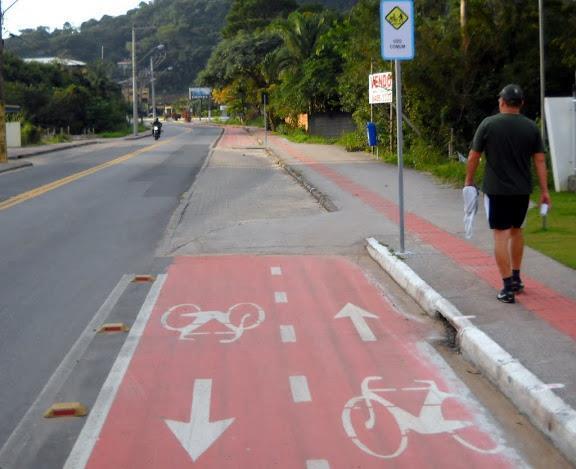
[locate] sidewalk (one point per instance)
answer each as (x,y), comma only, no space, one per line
(539,331)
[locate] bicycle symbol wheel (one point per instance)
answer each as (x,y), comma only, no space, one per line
(395,423)
(177,317)
(359,412)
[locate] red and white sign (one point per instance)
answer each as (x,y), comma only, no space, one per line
(284,362)
(380,88)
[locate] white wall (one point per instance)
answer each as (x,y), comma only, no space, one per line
(561,126)
(13,136)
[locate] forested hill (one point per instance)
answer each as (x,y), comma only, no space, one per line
(189,29)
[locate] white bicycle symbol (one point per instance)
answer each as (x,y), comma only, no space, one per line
(430,420)
(243,312)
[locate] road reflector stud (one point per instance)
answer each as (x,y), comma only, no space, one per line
(114,327)
(66,409)
(143,278)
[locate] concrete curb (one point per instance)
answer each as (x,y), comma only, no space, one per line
(548,412)
(5,167)
(52,150)
(322,198)
(74,145)
(137,137)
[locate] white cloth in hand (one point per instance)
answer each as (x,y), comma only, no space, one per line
(470,195)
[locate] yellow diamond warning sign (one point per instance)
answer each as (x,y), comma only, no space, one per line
(397,18)
(397,29)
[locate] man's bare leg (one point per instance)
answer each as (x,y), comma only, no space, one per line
(516,247)
(502,252)
(504,262)
(516,254)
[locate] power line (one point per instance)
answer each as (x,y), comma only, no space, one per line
(13,3)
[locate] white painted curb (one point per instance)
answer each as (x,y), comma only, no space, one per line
(546,410)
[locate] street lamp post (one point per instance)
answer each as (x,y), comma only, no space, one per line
(152,88)
(542,67)
(152,85)
(3,150)
(134,90)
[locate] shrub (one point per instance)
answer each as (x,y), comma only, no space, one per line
(30,134)
(353,141)
(56,138)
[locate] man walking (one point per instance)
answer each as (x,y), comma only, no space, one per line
(509,141)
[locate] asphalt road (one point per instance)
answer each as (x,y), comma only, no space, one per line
(85,219)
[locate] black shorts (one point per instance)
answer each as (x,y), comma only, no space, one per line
(506,211)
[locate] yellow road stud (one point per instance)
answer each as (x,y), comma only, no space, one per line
(114,327)
(66,409)
(143,278)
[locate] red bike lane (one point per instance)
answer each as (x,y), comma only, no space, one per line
(288,362)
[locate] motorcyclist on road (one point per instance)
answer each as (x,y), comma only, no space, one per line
(156,129)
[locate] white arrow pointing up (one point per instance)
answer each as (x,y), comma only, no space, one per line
(197,435)
(358,315)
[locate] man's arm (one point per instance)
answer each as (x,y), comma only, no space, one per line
(471,166)
(540,165)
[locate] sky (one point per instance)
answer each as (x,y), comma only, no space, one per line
(54,13)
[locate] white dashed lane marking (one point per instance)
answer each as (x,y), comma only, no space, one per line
(288,334)
(317,464)
(299,388)
(280,297)
(275,270)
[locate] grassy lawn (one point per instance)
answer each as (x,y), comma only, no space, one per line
(558,241)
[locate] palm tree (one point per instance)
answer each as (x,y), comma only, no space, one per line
(301,33)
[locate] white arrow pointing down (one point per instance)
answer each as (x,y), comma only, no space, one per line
(197,435)
(358,315)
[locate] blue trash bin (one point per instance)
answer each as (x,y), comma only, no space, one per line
(371,131)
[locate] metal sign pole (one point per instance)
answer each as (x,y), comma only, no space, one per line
(397,44)
(400,145)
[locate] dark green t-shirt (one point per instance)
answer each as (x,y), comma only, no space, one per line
(509,141)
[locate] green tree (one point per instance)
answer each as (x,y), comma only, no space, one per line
(57,97)
(252,15)
(309,63)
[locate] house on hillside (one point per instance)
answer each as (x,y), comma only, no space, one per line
(56,61)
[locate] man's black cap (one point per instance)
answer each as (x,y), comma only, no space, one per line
(512,94)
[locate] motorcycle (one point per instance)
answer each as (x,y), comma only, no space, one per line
(156,132)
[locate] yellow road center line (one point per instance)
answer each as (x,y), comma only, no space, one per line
(31,194)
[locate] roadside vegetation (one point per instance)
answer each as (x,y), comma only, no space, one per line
(57,101)
(309,59)
(123,132)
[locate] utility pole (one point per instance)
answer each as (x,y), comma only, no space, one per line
(3,151)
(542,68)
(464,26)
(134,90)
(153,89)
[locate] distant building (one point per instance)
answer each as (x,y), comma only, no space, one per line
(12,109)
(55,61)
(125,67)
(142,92)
